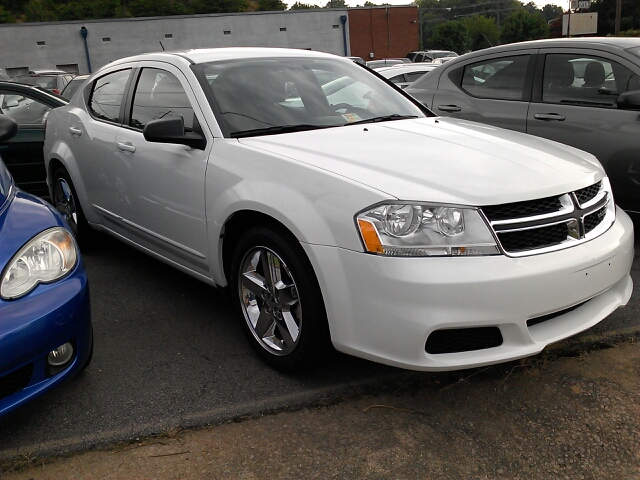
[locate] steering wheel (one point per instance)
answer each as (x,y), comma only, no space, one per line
(342,106)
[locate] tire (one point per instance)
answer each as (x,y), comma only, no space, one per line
(65,201)
(271,304)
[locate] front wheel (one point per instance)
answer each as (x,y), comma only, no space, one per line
(281,306)
(65,200)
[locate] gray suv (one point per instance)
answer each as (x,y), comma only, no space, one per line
(584,92)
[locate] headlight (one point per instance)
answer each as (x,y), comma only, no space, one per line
(46,258)
(420,230)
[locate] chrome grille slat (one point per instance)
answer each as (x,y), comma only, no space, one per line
(551,223)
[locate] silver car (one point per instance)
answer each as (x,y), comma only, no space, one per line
(584,92)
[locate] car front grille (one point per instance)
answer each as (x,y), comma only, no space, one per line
(551,223)
(15,381)
(456,340)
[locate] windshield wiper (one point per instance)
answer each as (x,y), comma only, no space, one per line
(277,129)
(383,118)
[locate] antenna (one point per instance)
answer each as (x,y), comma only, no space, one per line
(161,45)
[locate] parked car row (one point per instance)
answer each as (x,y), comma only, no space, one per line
(340,211)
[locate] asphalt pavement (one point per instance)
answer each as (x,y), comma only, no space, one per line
(169,354)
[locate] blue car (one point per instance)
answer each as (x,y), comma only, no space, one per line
(45,315)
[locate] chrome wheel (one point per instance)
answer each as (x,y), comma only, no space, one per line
(65,203)
(270,301)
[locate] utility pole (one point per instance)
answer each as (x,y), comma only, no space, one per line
(618,15)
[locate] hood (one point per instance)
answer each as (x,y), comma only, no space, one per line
(442,160)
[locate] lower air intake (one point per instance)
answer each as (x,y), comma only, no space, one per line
(454,340)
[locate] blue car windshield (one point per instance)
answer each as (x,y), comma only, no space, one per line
(279,95)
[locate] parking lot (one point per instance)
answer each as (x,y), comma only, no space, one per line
(169,353)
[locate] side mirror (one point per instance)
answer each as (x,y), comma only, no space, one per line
(8,128)
(171,130)
(629,100)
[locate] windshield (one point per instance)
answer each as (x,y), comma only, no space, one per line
(265,96)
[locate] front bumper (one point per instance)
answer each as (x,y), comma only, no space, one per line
(384,309)
(31,327)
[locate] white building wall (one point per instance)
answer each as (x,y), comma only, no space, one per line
(47,45)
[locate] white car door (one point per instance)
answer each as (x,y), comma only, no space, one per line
(91,138)
(164,182)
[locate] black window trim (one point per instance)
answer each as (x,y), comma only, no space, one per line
(125,95)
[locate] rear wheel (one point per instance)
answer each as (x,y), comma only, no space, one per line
(281,306)
(65,201)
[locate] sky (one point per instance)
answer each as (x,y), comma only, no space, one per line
(539,3)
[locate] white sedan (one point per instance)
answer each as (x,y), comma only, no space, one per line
(339,210)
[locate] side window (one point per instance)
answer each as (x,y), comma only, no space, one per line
(107,94)
(585,80)
(498,78)
(413,76)
(28,112)
(159,94)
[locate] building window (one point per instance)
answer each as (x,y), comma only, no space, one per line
(283,29)
(227,32)
(336,26)
(168,35)
(41,44)
(106,39)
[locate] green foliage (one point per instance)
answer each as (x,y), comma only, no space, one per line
(271,5)
(450,36)
(629,20)
(521,25)
(482,32)
(6,17)
(302,6)
(551,12)
(630,33)
(336,4)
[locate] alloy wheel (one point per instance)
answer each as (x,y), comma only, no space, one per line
(270,301)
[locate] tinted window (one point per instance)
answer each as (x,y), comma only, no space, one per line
(499,78)
(159,94)
(48,83)
(107,94)
(397,79)
(412,77)
(585,80)
(27,111)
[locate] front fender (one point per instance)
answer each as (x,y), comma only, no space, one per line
(317,206)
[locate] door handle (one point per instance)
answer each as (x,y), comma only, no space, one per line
(127,147)
(75,131)
(449,108)
(549,116)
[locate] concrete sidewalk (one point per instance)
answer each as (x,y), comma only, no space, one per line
(547,417)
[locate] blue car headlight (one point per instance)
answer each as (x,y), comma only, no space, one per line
(45,258)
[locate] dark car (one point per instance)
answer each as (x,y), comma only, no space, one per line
(52,80)
(584,92)
(29,107)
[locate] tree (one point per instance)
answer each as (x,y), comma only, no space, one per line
(336,4)
(551,12)
(302,6)
(521,25)
(482,32)
(271,5)
(629,20)
(450,36)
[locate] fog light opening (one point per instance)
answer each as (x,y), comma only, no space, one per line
(61,355)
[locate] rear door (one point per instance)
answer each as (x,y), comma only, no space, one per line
(91,138)
(495,89)
(574,102)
